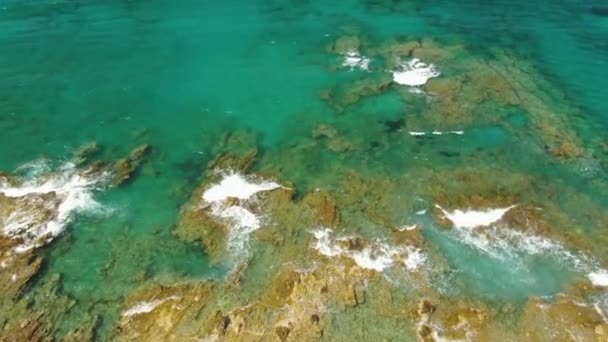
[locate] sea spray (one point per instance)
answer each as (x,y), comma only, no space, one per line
(47,203)
(240,219)
(378,255)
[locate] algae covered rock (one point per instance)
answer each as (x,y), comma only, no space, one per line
(345,44)
(324,208)
(163,313)
(84,154)
(565,319)
(124,169)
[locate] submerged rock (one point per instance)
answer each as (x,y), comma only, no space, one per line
(345,44)
(324,208)
(124,169)
(341,99)
(324,131)
(565,319)
(84,154)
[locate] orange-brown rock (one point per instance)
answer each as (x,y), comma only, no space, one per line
(323,208)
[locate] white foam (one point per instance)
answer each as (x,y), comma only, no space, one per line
(240,216)
(517,247)
(354,60)
(599,277)
(235,185)
(408,228)
(374,260)
(74,193)
(377,256)
(240,220)
(415,258)
(474,218)
(435,132)
(145,307)
(415,73)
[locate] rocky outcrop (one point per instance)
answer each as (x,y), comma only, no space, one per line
(124,169)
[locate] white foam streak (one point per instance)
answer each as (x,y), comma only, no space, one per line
(501,242)
(145,307)
(474,218)
(377,256)
(509,245)
(435,132)
(415,73)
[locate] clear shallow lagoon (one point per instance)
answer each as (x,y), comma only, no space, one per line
(178,75)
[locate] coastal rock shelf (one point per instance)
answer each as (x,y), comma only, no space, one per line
(273,170)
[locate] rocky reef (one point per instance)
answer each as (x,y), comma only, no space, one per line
(34,211)
(455,88)
(313,271)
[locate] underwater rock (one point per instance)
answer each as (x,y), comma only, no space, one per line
(341,99)
(409,235)
(393,51)
(124,169)
(340,145)
(234,162)
(82,334)
(379,193)
(323,206)
(345,44)
(454,321)
(237,151)
(565,319)
(85,153)
(333,141)
(324,131)
(599,11)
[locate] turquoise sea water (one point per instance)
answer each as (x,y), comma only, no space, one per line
(180,74)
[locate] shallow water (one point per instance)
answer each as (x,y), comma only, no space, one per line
(180,74)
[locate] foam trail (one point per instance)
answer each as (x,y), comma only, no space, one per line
(145,307)
(501,242)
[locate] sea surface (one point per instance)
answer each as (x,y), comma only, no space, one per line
(179,75)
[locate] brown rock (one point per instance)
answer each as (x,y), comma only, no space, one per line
(425,307)
(324,131)
(323,207)
(282,332)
